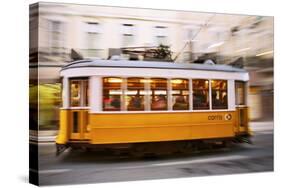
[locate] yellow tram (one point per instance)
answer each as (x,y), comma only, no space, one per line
(118,102)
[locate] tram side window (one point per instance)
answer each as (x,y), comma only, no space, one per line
(180,93)
(158,88)
(135,94)
(240,92)
(112,93)
(79,92)
(219,94)
(200,94)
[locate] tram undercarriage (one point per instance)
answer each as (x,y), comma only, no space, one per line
(157,148)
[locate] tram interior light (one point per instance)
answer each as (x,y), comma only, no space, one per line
(114,80)
(177,81)
(115,92)
(145,92)
(145,81)
(176,92)
(131,92)
(160,92)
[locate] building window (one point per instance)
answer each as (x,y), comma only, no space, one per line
(240,92)
(93,32)
(180,93)
(112,93)
(161,35)
(128,32)
(158,88)
(219,94)
(56,38)
(135,94)
(79,92)
(93,39)
(200,94)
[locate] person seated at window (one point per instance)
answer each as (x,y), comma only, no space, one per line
(224,100)
(200,100)
(135,102)
(107,103)
(159,103)
(216,102)
(115,102)
(180,103)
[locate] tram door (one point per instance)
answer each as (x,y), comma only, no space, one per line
(241,108)
(78,117)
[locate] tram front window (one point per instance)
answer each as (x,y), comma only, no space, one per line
(75,93)
(158,94)
(112,93)
(78,92)
(219,94)
(200,94)
(180,93)
(135,94)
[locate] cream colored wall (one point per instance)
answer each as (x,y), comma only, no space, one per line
(112,18)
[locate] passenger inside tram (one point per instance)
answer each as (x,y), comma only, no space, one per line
(159,102)
(215,101)
(180,103)
(136,103)
(200,99)
(115,102)
(224,100)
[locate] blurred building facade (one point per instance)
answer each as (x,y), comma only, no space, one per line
(94,30)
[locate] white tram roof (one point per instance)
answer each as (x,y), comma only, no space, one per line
(149,64)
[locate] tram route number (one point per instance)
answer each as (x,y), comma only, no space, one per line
(220,117)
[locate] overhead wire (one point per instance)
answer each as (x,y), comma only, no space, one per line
(195,35)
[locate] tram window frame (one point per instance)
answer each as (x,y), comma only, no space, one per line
(158,99)
(83,92)
(177,103)
(243,95)
(207,90)
(221,103)
(135,102)
(116,87)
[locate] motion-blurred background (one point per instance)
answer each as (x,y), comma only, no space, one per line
(60,33)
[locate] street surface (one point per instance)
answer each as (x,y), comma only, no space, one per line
(76,167)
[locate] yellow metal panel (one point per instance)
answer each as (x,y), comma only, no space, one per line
(149,134)
(62,137)
(145,127)
(148,127)
(75,135)
(217,130)
(82,124)
(66,126)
